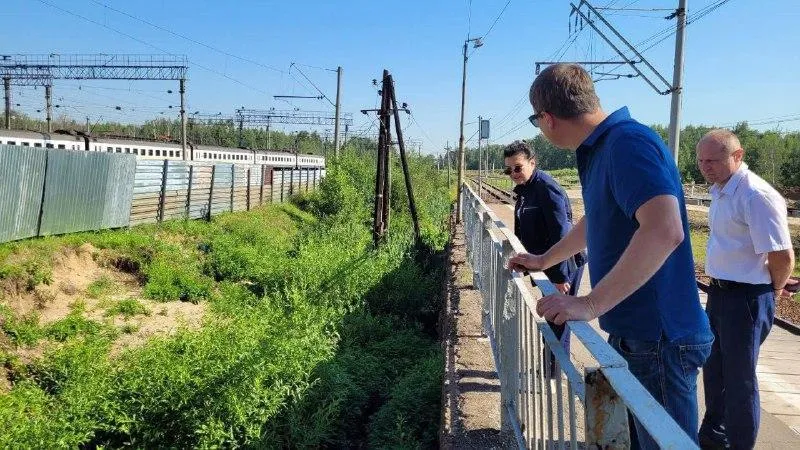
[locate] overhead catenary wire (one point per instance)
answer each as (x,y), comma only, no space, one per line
(129,36)
(194,41)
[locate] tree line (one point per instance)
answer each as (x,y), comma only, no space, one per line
(772,154)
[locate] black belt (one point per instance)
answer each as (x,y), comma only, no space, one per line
(731,285)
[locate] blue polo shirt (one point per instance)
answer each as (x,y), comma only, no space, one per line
(622,165)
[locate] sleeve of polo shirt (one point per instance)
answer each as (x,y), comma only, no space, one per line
(769,227)
(639,172)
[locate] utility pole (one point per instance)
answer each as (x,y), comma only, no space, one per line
(461,138)
(447,149)
(182,91)
(48,98)
(7,85)
(477,43)
(677,83)
(480,159)
(338,108)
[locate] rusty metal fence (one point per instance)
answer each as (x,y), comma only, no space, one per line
(54,191)
(575,405)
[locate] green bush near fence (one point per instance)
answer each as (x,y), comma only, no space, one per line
(313,338)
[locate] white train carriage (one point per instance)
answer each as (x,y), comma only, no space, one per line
(142,149)
(221,154)
(43,140)
(158,150)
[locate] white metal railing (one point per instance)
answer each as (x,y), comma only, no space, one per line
(534,401)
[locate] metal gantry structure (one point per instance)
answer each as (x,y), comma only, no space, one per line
(258,117)
(585,13)
(41,70)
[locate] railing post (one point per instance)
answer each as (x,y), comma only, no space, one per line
(507,333)
(492,271)
(477,263)
(606,414)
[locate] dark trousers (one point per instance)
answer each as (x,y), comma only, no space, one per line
(574,283)
(741,317)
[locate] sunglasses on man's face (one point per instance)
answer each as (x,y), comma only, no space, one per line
(534,118)
(516,169)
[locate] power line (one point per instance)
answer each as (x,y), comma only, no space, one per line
(485,35)
(166,30)
(496,19)
(671,30)
(150,45)
(312,83)
(424,133)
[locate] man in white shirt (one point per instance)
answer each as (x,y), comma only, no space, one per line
(749,259)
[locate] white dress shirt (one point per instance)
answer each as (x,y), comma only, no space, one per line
(747,218)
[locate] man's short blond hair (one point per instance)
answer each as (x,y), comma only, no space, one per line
(565,91)
(722,138)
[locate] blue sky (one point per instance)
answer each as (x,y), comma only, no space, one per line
(741,59)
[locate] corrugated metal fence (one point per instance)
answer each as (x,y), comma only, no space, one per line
(52,191)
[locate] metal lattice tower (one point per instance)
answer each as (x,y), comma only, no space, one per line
(41,70)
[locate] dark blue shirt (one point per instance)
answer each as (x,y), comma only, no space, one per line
(542,216)
(622,165)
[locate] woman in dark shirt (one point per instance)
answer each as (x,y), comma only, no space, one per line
(542,216)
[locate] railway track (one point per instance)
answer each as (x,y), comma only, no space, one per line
(493,192)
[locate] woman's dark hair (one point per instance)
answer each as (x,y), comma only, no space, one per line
(519,147)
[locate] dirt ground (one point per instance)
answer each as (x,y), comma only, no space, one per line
(471,393)
(74,272)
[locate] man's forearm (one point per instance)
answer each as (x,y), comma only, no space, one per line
(572,243)
(645,254)
(781,266)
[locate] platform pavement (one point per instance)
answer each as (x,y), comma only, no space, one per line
(779,381)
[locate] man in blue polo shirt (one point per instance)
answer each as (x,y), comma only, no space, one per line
(636,232)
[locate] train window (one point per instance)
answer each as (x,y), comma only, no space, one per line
(171,153)
(62,146)
(12,142)
(49,145)
(37,144)
(25,144)
(149,152)
(158,152)
(178,153)
(204,155)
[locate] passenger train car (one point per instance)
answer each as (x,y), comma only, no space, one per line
(146,149)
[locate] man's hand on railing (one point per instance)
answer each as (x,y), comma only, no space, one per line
(526,261)
(559,308)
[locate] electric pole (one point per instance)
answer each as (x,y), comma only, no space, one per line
(677,83)
(476,43)
(338,107)
(480,158)
(592,16)
(447,150)
(48,98)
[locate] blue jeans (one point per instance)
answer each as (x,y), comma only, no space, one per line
(741,319)
(668,370)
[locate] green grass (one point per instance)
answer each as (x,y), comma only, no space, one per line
(314,338)
(101,287)
(127,308)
